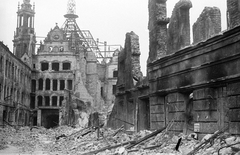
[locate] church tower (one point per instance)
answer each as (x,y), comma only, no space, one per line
(24,37)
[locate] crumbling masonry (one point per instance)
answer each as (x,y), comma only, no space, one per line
(196,86)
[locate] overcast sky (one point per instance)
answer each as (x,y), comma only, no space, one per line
(108,20)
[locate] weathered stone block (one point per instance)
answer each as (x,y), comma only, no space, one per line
(179,27)
(232,101)
(208,104)
(203,93)
(234,115)
(234,127)
(157,117)
(207,25)
(175,97)
(157,125)
(205,116)
(233,89)
(157,109)
(176,107)
(233,9)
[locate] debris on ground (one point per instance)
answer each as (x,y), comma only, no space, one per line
(86,141)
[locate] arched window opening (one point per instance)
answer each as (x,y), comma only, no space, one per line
(47,84)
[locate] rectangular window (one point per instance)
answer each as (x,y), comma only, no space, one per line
(33,85)
(115,73)
(61,100)
(54,101)
(55,83)
(44,66)
(39,100)
(62,84)
(32,105)
(47,100)
(69,84)
(114,88)
(66,66)
(55,66)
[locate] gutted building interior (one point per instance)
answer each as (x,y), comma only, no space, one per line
(196,85)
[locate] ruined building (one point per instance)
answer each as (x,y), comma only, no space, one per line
(61,82)
(195,86)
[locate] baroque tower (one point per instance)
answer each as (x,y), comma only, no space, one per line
(24,37)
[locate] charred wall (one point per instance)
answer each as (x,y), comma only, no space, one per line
(157,26)
(129,73)
(179,27)
(204,71)
(207,25)
(233,13)
(15,89)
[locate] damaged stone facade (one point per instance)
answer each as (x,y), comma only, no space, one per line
(157,27)
(15,89)
(179,27)
(129,73)
(233,13)
(60,83)
(207,25)
(197,86)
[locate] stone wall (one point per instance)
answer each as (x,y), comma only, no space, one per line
(204,71)
(179,27)
(233,13)
(157,29)
(207,25)
(129,73)
(15,86)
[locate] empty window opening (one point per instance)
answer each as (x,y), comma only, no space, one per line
(34,66)
(44,66)
(61,100)
(114,88)
(66,66)
(55,66)
(62,84)
(32,103)
(39,101)
(47,100)
(33,85)
(102,91)
(54,101)
(40,84)
(115,73)
(55,84)
(47,84)
(69,84)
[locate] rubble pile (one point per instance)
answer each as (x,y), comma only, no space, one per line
(87,141)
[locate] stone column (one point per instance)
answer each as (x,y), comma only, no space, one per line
(50,99)
(58,99)
(51,84)
(39,117)
(58,85)
(44,84)
(65,81)
(36,101)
